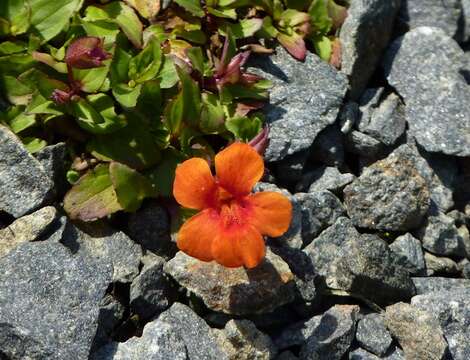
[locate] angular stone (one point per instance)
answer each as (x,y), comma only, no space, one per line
(426,285)
(418,332)
(111,314)
(151,291)
(300,105)
(51,298)
(365,267)
(150,227)
(361,354)
(333,336)
(433,89)
(325,248)
(452,308)
(349,116)
(158,342)
(319,210)
(409,247)
(241,340)
(365,145)
(24,185)
(104,243)
(372,334)
(466,20)
(384,121)
(324,178)
(237,291)
(26,228)
(364,35)
(441,14)
(390,195)
(53,160)
(195,333)
(439,265)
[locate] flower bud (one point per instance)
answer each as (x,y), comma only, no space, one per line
(86,53)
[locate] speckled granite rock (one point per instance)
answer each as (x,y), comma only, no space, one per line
(372,334)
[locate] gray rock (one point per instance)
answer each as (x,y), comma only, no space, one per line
(389,195)
(465,266)
(324,178)
(111,314)
(150,227)
(365,267)
(52,159)
(410,248)
(328,147)
(349,116)
(104,243)
(56,230)
(194,332)
(364,35)
(384,121)
(293,236)
(17,343)
(365,145)
(241,340)
(325,248)
(439,265)
(466,20)
(300,105)
(26,228)
(372,334)
(159,341)
(24,184)
(298,333)
(452,308)
(237,291)
(418,332)
(426,285)
(442,14)
(151,291)
(51,298)
(361,354)
(319,210)
(332,338)
(433,88)
(440,236)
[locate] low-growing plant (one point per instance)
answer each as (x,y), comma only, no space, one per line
(134,89)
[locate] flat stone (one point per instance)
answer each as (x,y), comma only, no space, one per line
(151,291)
(433,89)
(150,227)
(418,332)
(426,285)
(440,236)
(364,35)
(324,178)
(27,228)
(410,248)
(195,333)
(51,299)
(362,144)
(365,267)
(389,195)
(300,105)
(104,243)
(319,210)
(384,121)
(241,340)
(24,184)
(158,342)
(324,249)
(361,354)
(333,336)
(441,14)
(452,309)
(372,334)
(53,160)
(439,265)
(236,291)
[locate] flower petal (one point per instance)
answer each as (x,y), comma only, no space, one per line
(271,212)
(196,236)
(238,245)
(239,167)
(194,186)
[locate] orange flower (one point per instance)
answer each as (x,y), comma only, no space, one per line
(230,226)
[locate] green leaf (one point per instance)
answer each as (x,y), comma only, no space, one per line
(150,101)
(244,28)
(146,8)
(257,91)
(15,16)
(22,122)
(103,29)
(268,30)
(33,145)
(146,65)
(319,17)
(212,114)
(127,96)
(92,79)
(323,46)
(163,175)
(96,114)
(174,114)
(168,76)
(40,105)
(193,6)
(10,47)
(47,59)
(223,13)
(127,20)
(120,67)
(93,196)
(15,91)
(132,145)
(196,57)
(244,128)
(16,64)
(191,98)
(130,186)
